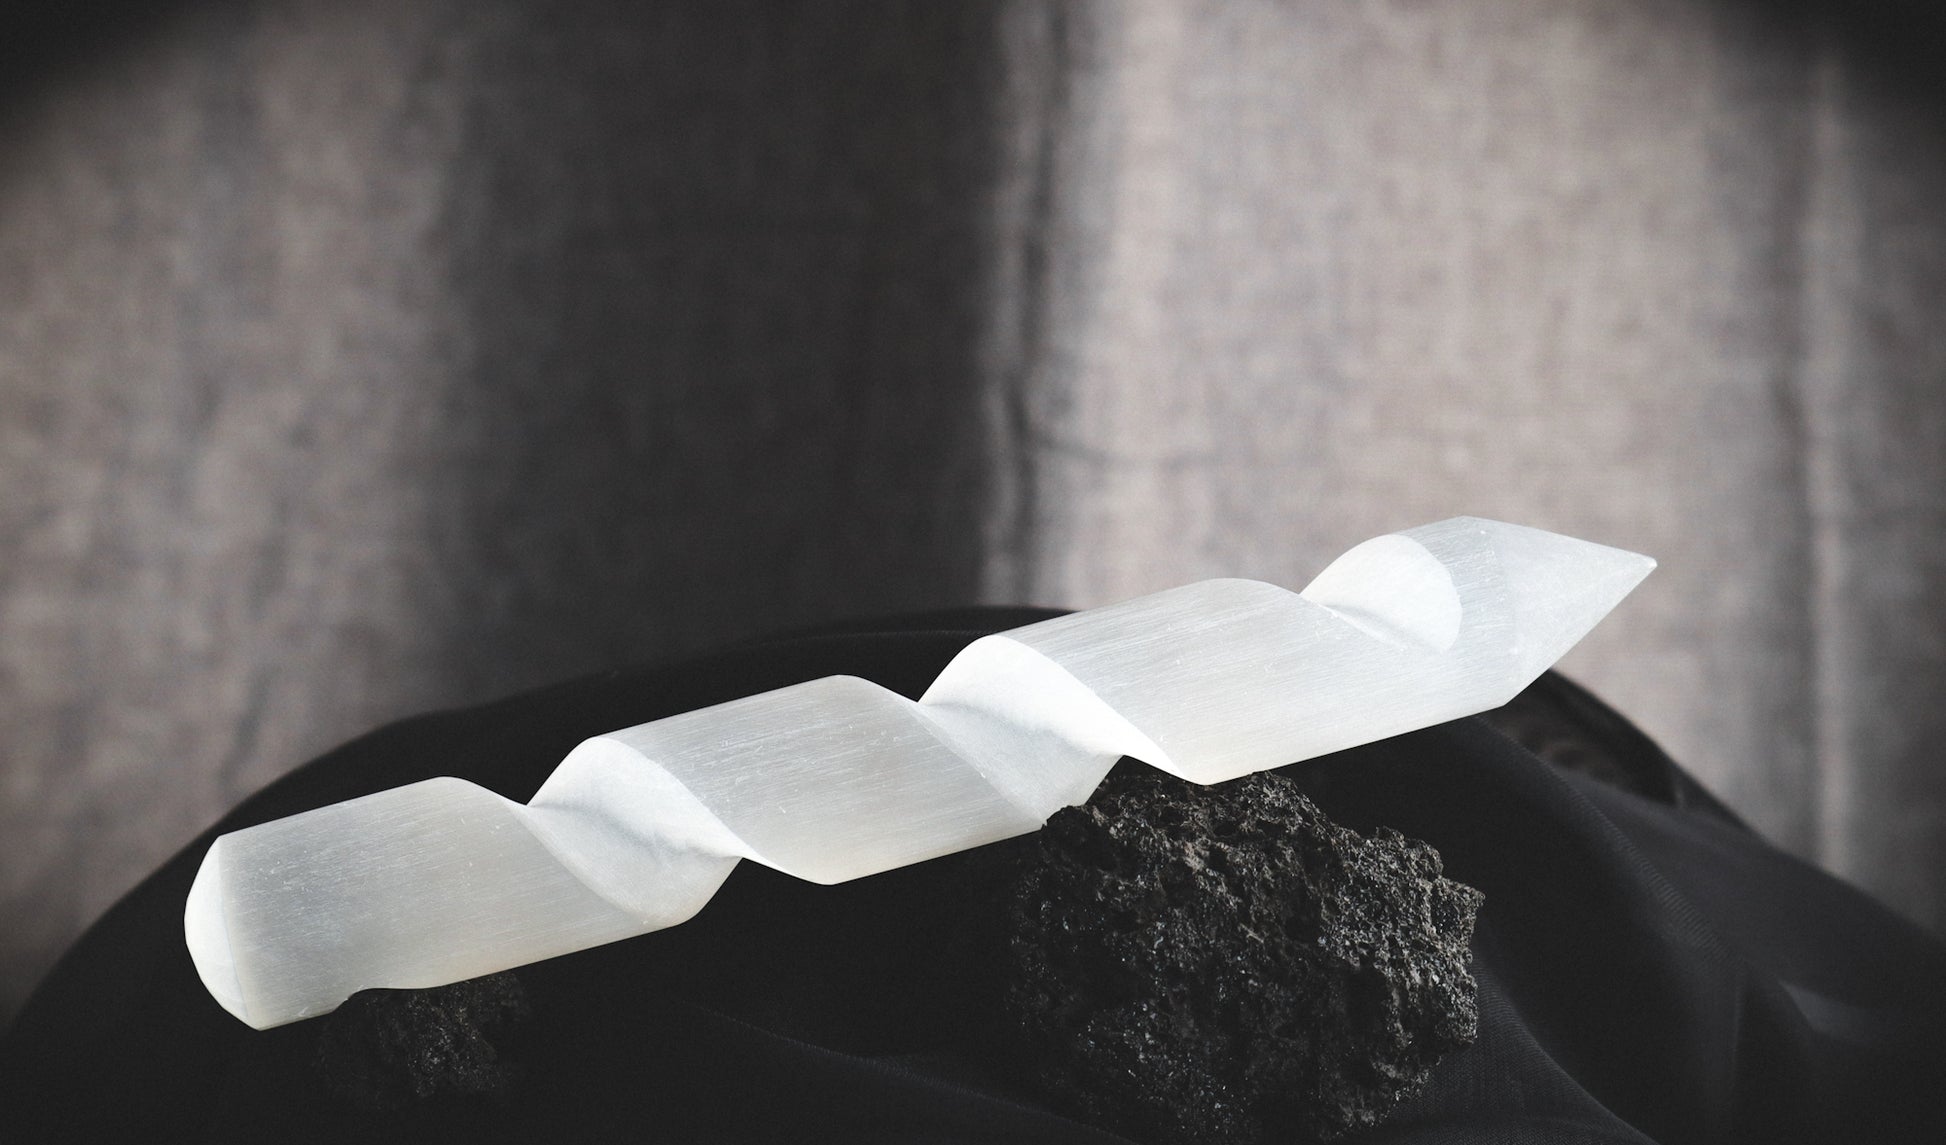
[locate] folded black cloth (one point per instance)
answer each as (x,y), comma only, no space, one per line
(1648,968)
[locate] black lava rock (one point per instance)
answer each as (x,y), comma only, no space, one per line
(386,1049)
(1225,964)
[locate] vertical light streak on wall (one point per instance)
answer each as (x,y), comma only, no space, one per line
(1830,276)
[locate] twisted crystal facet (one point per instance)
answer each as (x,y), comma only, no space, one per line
(837,778)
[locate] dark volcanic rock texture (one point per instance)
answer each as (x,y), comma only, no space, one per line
(1225,964)
(384,1049)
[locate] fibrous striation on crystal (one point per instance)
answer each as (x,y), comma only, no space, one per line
(837,778)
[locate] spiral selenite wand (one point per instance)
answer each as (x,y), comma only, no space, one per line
(836,778)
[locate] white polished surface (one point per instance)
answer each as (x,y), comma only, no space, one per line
(837,778)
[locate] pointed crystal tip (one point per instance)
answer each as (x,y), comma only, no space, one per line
(1561,587)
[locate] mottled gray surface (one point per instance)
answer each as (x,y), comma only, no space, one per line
(362,357)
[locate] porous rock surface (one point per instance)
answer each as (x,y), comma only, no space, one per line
(385,1049)
(1225,964)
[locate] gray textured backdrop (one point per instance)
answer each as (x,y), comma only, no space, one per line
(361,357)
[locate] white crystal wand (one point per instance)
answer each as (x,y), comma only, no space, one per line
(829,780)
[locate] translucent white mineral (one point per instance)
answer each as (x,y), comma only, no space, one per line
(837,778)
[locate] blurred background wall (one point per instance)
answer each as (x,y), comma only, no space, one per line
(364,356)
